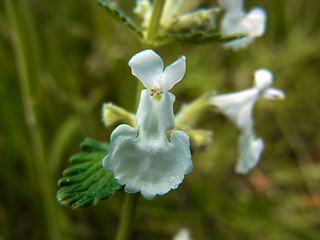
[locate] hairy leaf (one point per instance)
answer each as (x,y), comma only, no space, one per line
(197,37)
(112,8)
(86,182)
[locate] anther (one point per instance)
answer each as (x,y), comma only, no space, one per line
(152,91)
(156,90)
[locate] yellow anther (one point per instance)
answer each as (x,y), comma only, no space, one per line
(152,91)
(156,90)
(159,91)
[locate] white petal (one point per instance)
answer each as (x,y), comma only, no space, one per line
(231,23)
(263,79)
(255,22)
(235,21)
(238,106)
(121,133)
(155,117)
(166,115)
(146,65)
(146,166)
(183,234)
(144,109)
(238,43)
(174,73)
(250,150)
(274,94)
(232,4)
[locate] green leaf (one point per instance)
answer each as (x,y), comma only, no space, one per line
(197,37)
(113,9)
(86,182)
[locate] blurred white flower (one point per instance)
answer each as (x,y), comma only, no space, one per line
(146,160)
(237,21)
(238,107)
(183,234)
(143,9)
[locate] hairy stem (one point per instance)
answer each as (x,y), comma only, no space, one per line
(155,19)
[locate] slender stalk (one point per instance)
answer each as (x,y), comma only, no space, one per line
(127,216)
(153,27)
(32,123)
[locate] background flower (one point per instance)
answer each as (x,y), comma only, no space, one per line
(238,107)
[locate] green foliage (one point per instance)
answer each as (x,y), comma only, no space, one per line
(198,26)
(86,182)
(113,9)
(196,37)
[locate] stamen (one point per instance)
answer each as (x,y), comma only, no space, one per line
(153,91)
(159,91)
(156,90)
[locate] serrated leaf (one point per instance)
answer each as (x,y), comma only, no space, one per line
(197,37)
(112,8)
(86,182)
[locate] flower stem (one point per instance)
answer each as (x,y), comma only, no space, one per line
(48,200)
(127,216)
(153,27)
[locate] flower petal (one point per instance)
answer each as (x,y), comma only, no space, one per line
(174,73)
(166,115)
(183,234)
(250,150)
(233,5)
(263,79)
(238,43)
(146,65)
(231,23)
(155,117)
(144,109)
(274,94)
(147,167)
(122,133)
(236,21)
(238,106)
(255,22)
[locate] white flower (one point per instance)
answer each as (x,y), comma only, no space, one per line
(238,107)
(146,160)
(183,234)
(237,21)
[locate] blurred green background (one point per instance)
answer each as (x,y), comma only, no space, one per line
(74,55)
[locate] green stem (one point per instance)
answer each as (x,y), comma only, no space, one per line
(155,19)
(127,216)
(32,123)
